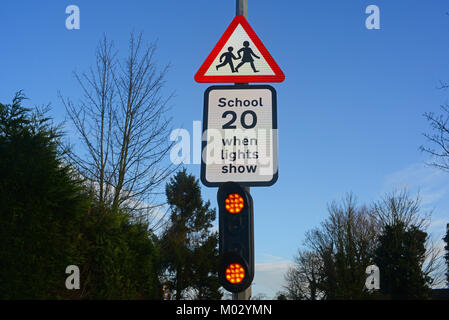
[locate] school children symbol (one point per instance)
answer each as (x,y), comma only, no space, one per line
(247,53)
(239,56)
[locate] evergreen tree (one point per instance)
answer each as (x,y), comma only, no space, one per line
(40,204)
(188,246)
(402,247)
(48,221)
(400,256)
(120,258)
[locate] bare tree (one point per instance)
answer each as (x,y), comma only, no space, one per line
(336,256)
(345,245)
(304,277)
(439,135)
(92,117)
(122,122)
(398,206)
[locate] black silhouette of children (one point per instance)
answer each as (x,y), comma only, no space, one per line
(228,56)
(247,56)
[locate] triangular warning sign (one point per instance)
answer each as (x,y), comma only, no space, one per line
(240,57)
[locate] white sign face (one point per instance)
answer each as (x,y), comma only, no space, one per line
(239,136)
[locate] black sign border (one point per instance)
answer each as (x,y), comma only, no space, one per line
(205,124)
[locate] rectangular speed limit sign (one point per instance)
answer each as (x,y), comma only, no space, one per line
(239,135)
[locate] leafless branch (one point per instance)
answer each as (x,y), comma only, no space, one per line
(121,119)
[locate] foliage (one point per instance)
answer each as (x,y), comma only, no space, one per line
(390,234)
(333,266)
(400,256)
(344,245)
(407,258)
(39,201)
(121,260)
(49,220)
(188,246)
(304,277)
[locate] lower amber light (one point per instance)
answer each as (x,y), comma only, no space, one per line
(235,273)
(234,203)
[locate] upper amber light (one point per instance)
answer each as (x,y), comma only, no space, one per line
(234,203)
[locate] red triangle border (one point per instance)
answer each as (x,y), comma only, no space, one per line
(278,74)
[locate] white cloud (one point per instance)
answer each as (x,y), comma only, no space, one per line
(269,276)
(439,225)
(432,183)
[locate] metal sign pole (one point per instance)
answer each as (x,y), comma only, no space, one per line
(242,9)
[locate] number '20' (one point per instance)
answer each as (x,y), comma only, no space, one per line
(248,119)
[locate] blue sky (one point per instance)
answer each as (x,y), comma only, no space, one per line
(350,112)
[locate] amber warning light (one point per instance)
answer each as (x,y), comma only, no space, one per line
(235,273)
(234,203)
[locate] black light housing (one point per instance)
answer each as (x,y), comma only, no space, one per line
(236,235)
